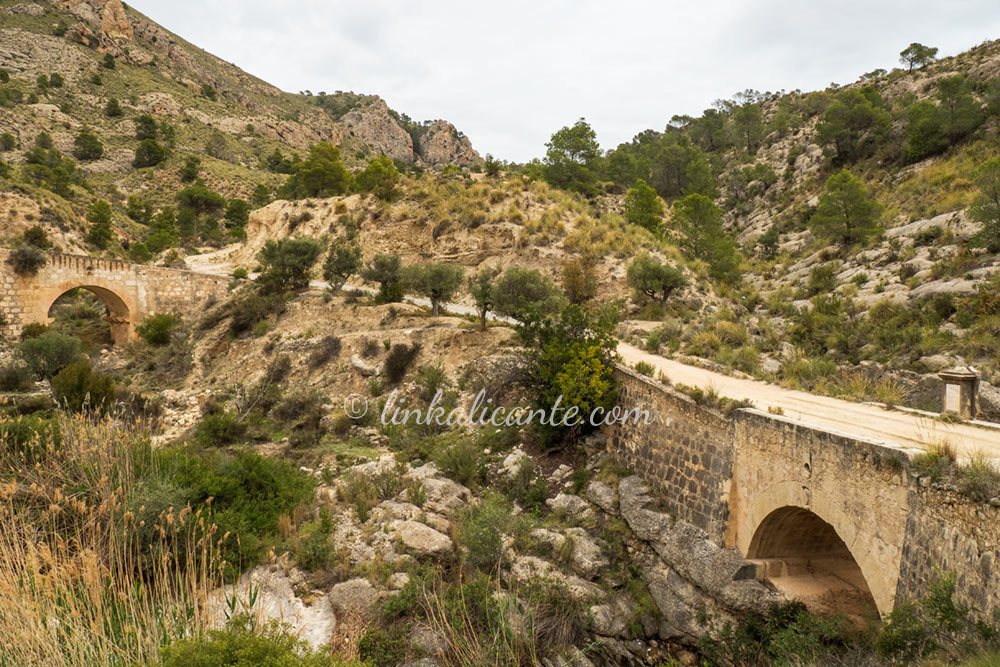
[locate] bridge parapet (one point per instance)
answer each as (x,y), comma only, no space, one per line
(781,490)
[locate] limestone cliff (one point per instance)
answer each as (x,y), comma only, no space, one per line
(373,125)
(443,144)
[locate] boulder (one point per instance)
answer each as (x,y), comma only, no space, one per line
(585,556)
(512,464)
(770,365)
(989,402)
(633,497)
(612,619)
(276,600)
(533,570)
(560,475)
(445,496)
(362,367)
(422,540)
(937,362)
(354,596)
(603,496)
(686,551)
(570,505)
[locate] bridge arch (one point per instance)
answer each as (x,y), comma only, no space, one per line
(121,310)
(810,549)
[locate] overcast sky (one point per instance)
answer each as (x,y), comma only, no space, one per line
(508,73)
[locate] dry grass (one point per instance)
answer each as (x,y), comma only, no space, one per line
(891,392)
(76,586)
(521,626)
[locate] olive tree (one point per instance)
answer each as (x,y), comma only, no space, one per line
(437,282)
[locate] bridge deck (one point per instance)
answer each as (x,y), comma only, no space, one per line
(889,427)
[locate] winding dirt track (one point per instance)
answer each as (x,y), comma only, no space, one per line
(894,428)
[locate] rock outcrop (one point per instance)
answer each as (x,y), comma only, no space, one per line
(686,572)
(268,593)
(375,126)
(107,17)
(442,144)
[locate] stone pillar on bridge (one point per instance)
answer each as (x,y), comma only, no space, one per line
(961,386)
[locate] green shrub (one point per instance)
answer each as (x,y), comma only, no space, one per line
(481,530)
(218,429)
(87,146)
(430,379)
(328,348)
(380,648)
(249,492)
(33,329)
(704,344)
(287,263)
(645,368)
(399,360)
(15,377)
(360,491)
(462,462)
(822,280)
(113,108)
(518,293)
(26,260)
(149,154)
(155,329)
(786,635)
(252,308)
(48,353)
(80,389)
(139,253)
(243,644)
(928,236)
(528,488)
(302,414)
(387,272)
(979,479)
(30,436)
(313,551)
(571,361)
(933,624)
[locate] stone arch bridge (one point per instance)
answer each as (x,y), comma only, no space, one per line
(130,291)
(842,523)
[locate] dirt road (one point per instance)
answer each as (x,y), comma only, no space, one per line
(891,427)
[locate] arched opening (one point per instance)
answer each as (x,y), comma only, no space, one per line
(94,314)
(805,558)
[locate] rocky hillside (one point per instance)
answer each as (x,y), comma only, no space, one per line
(66,60)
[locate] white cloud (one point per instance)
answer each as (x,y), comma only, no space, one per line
(509,74)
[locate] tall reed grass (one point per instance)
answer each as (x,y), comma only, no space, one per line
(81,580)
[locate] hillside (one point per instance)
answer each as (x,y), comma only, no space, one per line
(212,474)
(101,51)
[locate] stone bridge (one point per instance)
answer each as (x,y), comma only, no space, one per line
(130,291)
(842,523)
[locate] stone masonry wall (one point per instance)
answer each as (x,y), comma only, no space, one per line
(949,533)
(687,454)
(727,474)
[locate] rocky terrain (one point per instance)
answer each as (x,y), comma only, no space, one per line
(423,545)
